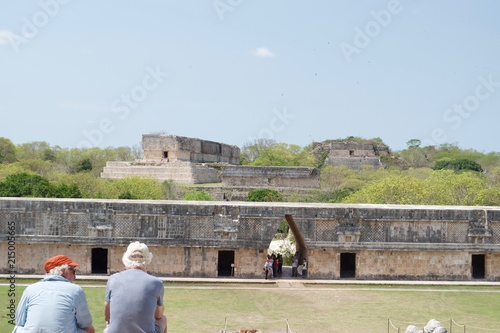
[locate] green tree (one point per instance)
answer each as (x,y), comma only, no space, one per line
(126,195)
(413,143)
(283,154)
(139,188)
(264,195)
(415,157)
(32,185)
(252,150)
(493,177)
(197,195)
(33,150)
(7,151)
(36,165)
(488,197)
(446,187)
(25,185)
(457,164)
(10,169)
(90,186)
(390,190)
(283,228)
(334,178)
(169,190)
(49,155)
(65,191)
(84,165)
(336,196)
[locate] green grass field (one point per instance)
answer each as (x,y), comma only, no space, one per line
(309,308)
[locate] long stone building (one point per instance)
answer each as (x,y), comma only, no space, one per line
(210,239)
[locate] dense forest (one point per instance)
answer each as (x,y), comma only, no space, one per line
(442,175)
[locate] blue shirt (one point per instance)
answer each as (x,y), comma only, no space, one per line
(53,305)
(133,296)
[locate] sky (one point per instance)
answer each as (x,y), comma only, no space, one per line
(103,73)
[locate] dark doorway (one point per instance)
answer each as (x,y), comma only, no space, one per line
(99,261)
(226,260)
(478,266)
(165,154)
(347,265)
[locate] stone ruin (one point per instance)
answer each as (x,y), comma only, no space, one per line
(350,153)
(193,161)
(433,326)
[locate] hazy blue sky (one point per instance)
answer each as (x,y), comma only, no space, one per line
(102,73)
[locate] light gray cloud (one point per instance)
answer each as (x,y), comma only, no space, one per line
(263,52)
(6,37)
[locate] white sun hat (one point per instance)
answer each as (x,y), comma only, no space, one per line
(137,255)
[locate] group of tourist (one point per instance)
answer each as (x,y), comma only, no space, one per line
(133,300)
(273,267)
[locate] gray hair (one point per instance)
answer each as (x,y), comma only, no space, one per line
(58,270)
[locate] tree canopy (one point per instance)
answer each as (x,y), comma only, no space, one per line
(433,175)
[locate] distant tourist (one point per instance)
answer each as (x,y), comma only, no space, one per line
(275,266)
(304,269)
(54,304)
(280,263)
(268,267)
(134,299)
(295,264)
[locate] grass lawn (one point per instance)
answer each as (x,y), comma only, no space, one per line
(308,309)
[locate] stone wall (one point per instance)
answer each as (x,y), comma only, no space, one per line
(167,260)
(270,176)
(355,163)
(187,238)
(356,149)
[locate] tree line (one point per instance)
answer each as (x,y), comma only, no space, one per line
(442,175)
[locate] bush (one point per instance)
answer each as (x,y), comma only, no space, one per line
(457,165)
(264,195)
(30,185)
(126,196)
(195,195)
(25,185)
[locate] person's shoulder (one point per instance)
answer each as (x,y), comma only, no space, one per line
(69,287)
(154,279)
(33,286)
(114,275)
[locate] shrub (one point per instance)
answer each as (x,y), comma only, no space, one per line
(264,195)
(195,195)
